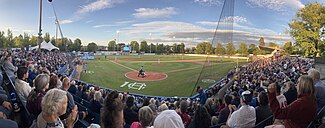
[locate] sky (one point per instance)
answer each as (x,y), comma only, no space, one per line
(156,21)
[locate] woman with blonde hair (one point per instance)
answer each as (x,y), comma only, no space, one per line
(300,112)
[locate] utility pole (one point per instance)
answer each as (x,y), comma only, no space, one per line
(40,27)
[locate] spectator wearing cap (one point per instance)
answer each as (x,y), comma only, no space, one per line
(168,119)
(245,116)
(300,112)
(130,115)
(224,113)
(22,87)
(319,88)
(263,111)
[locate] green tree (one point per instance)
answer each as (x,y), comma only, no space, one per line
(259,52)
(307,28)
(135,46)
(204,48)
(262,42)
(271,44)
(3,39)
(18,41)
(144,46)
(53,41)
(76,45)
(243,49)
(220,50)
(112,45)
(152,47)
(287,47)
(187,50)
(182,48)
(33,41)
(9,40)
(230,49)
(92,47)
(26,40)
(251,48)
(160,48)
(47,37)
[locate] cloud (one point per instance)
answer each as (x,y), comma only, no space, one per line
(17,31)
(66,21)
(209,2)
(194,37)
(120,23)
(237,26)
(276,5)
(154,12)
(103,25)
(191,35)
(236,19)
(98,5)
(159,27)
(89,21)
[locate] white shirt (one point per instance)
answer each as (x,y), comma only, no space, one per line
(23,89)
(245,117)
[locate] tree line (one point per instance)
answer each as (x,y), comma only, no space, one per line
(7,40)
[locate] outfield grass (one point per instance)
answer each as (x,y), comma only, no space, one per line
(179,83)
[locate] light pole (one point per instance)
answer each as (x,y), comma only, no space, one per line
(117,32)
(40,25)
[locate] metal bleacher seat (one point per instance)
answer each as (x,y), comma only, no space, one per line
(84,105)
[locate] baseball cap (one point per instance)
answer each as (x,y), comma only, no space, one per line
(247,96)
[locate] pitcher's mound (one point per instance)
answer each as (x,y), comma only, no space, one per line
(150,76)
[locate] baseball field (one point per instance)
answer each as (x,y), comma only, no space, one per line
(165,75)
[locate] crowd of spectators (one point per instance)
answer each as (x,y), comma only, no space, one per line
(287,88)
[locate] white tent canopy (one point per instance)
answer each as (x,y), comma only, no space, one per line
(44,45)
